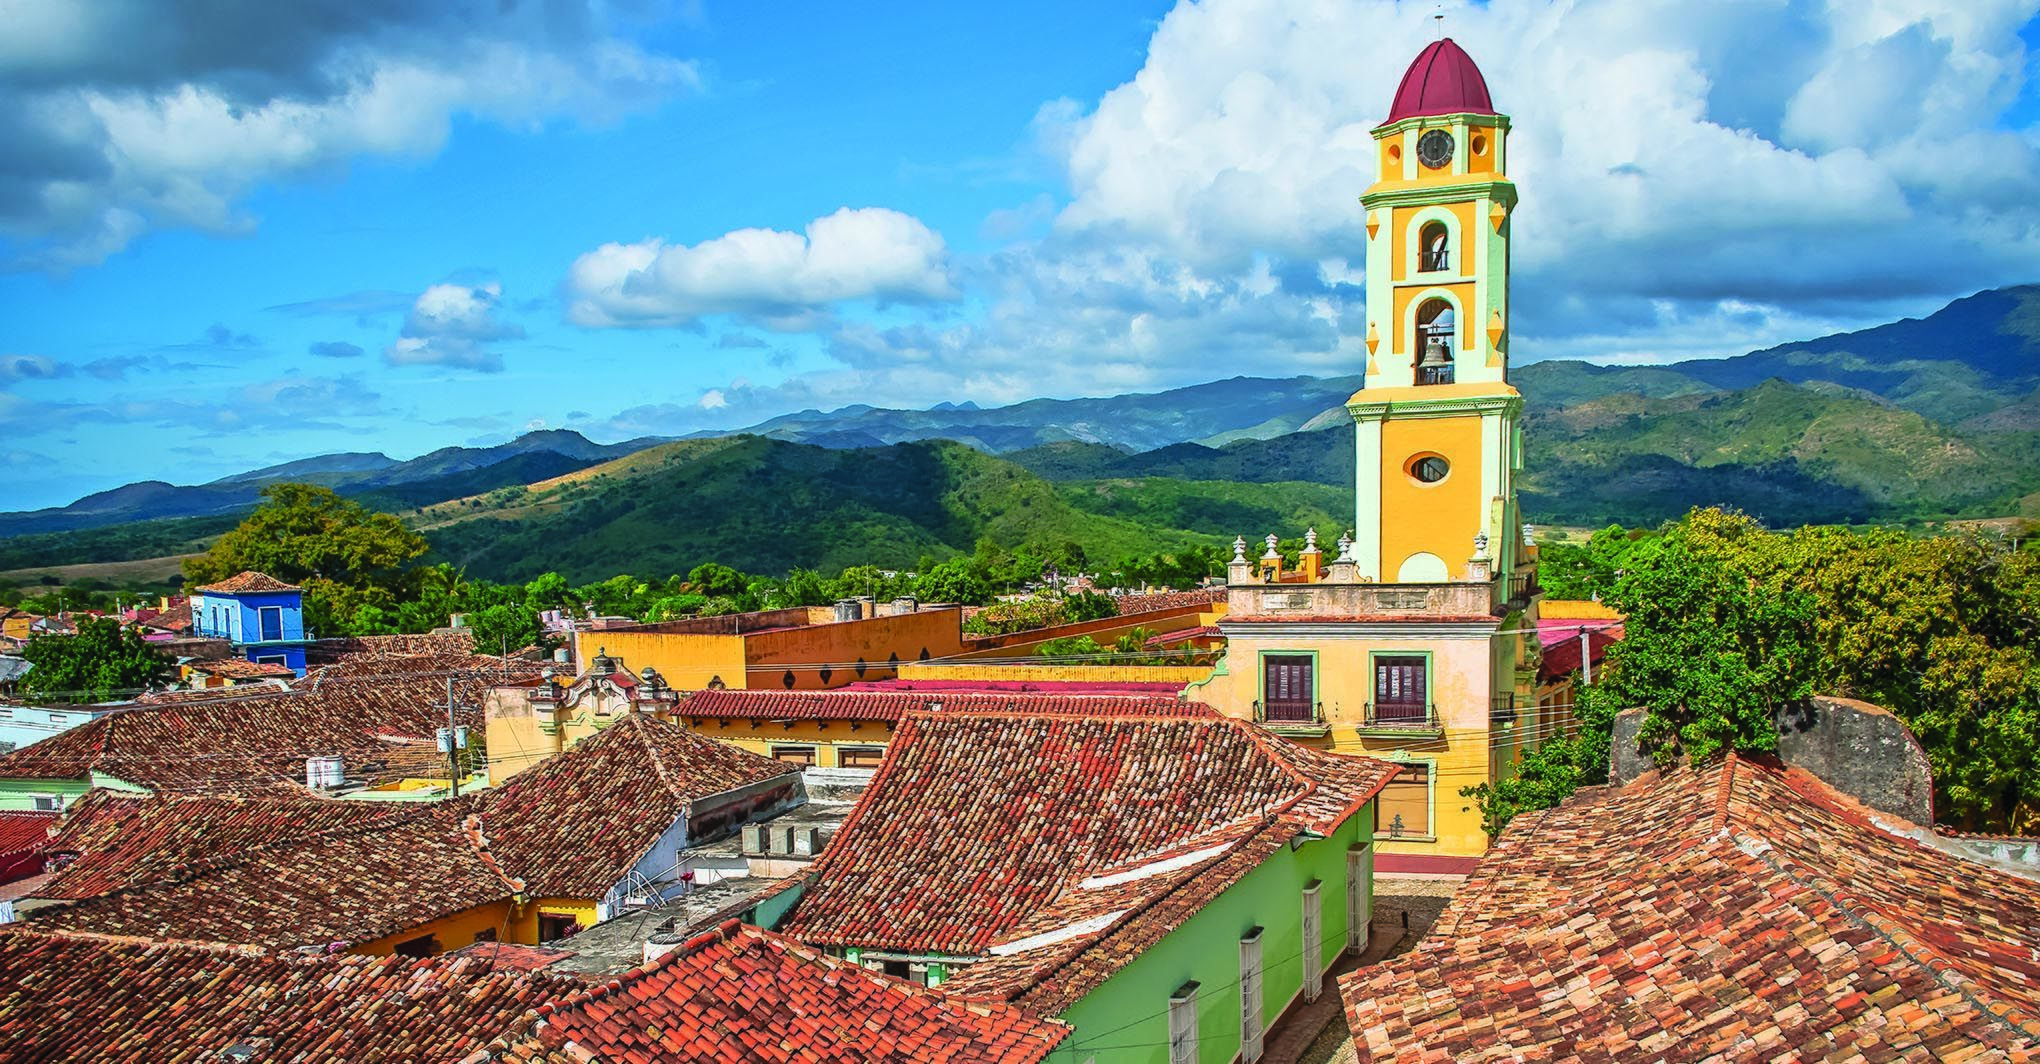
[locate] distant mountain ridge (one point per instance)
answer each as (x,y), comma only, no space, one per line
(447,473)
(1931,417)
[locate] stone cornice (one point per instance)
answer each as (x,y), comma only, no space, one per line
(1417,194)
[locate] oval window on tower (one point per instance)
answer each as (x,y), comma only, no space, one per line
(1429,468)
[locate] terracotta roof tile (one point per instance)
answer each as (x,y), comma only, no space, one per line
(240,668)
(1743,912)
(1091,836)
(380,718)
(577,823)
(285,873)
(740,994)
(247,582)
(85,1000)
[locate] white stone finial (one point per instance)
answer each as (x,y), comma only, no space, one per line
(1272,554)
(1239,549)
(1528,533)
(1480,542)
(1310,539)
(1345,547)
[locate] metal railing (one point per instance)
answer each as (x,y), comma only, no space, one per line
(1434,374)
(1523,587)
(1289,712)
(1414,716)
(1433,261)
(1502,710)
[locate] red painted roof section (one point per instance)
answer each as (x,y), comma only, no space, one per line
(741,994)
(1562,646)
(892,705)
(88,999)
(1120,688)
(247,582)
(23,831)
(1443,80)
(1745,911)
(981,828)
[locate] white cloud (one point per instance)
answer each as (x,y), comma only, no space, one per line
(111,139)
(775,277)
(452,325)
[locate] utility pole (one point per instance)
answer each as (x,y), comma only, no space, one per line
(1586,657)
(452,741)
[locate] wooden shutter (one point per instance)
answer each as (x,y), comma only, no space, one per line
(1288,687)
(1313,941)
(1250,997)
(1359,895)
(1183,1025)
(1400,691)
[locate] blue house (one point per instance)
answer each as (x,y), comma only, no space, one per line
(263,617)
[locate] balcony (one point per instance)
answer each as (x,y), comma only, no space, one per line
(1502,710)
(1291,717)
(1393,719)
(1522,588)
(1435,374)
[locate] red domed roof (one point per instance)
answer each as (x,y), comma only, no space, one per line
(1442,81)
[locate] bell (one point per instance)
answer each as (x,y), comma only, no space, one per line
(1435,355)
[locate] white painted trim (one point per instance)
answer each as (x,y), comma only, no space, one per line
(1154,868)
(1367,473)
(1414,628)
(1079,929)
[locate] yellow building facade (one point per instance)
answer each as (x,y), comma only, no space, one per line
(1416,643)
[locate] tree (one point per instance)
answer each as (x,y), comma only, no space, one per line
(302,532)
(953,581)
(101,661)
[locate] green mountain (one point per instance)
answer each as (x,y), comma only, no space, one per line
(767,505)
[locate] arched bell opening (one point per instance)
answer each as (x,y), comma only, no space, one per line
(1435,335)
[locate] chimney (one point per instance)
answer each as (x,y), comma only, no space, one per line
(661,944)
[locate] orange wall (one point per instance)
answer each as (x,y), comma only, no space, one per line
(837,646)
(1440,518)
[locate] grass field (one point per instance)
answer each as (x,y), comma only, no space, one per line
(118,574)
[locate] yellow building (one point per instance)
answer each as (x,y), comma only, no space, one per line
(800,649)
(1416,643)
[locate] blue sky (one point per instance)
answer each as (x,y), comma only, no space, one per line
(286,230)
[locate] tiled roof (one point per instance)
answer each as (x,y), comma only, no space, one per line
(240,668)
(23,832)
(169,621)
(110,840)
(739,994)
(254,872)
(381,719)
(247,582)
(1062,845)
(349,885)
(575,824)
(893,705)
(1743,912)
(84,1000)
(1168,600)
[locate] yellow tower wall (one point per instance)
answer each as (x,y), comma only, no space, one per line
(1440,518)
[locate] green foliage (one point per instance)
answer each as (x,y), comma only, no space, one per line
(1039,611)
(1129,649)
(1728,624)
(102,661)
(953,581)
(1088,606)
(303,532)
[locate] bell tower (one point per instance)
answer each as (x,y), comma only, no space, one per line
(1438,426)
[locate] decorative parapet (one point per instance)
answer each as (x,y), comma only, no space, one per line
(1328,600)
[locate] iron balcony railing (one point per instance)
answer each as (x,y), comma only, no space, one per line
(1433,261)
(1289,711)
(1503,709)
(1523,587)
(1434,374)
(1415,716)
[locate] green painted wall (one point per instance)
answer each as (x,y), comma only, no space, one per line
(20,794)
(1126,1019)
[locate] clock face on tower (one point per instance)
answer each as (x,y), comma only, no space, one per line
(1434,149)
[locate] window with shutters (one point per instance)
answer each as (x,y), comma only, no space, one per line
(1403,808)
(1359,895)
(1401,688)
(794,755)
(1183,1025)
(1250,996)
(272,623)
(1289,688)
(1313,941)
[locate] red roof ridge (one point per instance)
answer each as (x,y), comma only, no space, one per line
(637,732)
(1723,792)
